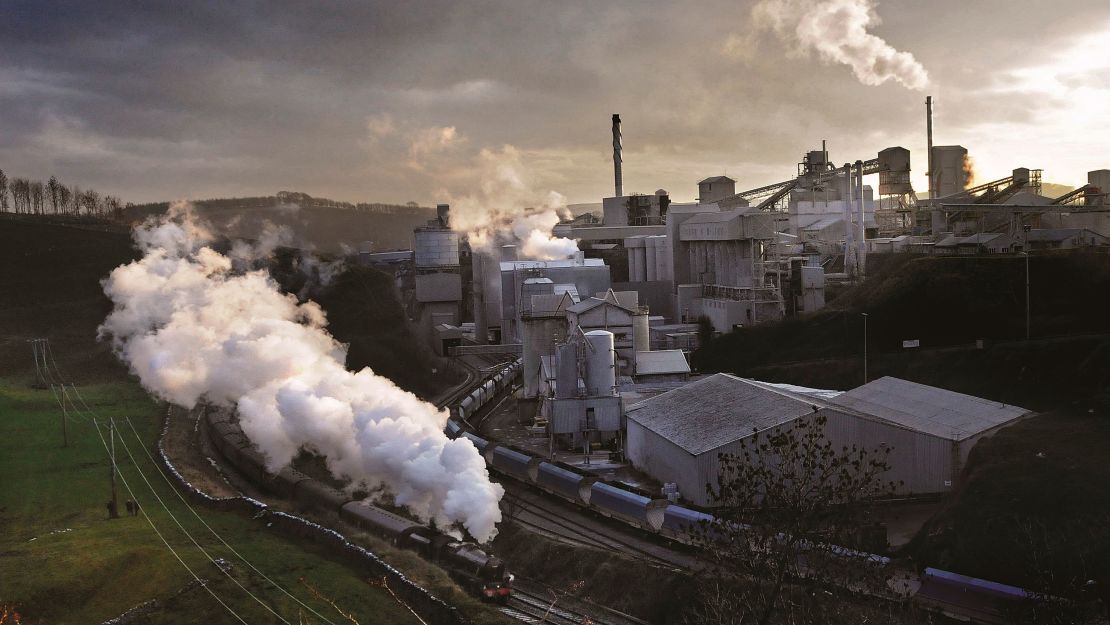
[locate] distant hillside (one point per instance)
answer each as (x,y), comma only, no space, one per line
(50,277)
(326,225)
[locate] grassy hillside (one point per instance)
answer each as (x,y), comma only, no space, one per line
(946,304)
(61,560)
(50,280)
(1034,508)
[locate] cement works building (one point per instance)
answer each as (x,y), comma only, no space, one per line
(678,436)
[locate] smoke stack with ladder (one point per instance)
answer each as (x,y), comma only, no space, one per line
(617,155)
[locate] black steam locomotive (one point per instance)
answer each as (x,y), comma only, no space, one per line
(482,573)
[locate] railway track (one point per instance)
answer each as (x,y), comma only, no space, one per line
(552,521)
(532,607)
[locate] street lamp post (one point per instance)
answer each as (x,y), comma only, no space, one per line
(864,347)
(1026,228)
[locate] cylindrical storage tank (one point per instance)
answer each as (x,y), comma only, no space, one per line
(601,364)
(566,373)
(641,340)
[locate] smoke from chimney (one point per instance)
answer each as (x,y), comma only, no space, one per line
(969,172)
(837,30)
(193,326)
(507,208)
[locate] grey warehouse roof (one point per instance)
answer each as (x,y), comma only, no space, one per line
(659,362)
(1058,234)
(704,415)
(942,413)
(720,217)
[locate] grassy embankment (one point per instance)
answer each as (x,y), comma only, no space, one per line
(65,562)
(1034,506)
(99,568)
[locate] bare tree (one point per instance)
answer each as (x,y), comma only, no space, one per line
(52,186)
(791,506)
(37,196)
(63,198)
(113,207)
(92,202)
(76,198)
(3,191)
(20,197)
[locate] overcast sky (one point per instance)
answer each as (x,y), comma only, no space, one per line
(396,101)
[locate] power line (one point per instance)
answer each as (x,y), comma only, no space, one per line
(90,411)
(163,538)
(53,361)
(41,347)
(214,533)
(37,353)
(65,396)
(192,539)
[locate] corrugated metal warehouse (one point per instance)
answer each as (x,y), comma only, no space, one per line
(678,436)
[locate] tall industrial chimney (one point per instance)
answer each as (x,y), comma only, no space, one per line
(617,179)
(929,131)
(849,223)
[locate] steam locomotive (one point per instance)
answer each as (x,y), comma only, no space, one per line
(484,574)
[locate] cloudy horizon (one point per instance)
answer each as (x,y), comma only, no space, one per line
(392,103)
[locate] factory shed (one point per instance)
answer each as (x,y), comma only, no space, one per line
(665,364)
(678,436)
(929,410)
(1063,238)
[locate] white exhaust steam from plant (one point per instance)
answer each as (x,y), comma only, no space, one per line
(837,30)
(192,325)
(508,209)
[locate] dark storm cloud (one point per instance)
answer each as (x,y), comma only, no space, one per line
(155,100)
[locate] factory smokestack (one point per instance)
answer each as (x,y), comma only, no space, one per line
(929,132)
(617,178)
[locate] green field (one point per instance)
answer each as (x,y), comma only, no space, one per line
(63,561)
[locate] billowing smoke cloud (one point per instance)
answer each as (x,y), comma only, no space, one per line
(837,30)
(507,209)
(192,326)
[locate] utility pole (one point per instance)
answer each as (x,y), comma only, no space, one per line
(864,347)
(114,511)
(1026,229)
(65,429)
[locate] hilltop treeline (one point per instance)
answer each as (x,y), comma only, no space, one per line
(24,196)
(288,199)
(315,223)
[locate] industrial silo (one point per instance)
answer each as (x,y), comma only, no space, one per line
(601,365)
(641,339)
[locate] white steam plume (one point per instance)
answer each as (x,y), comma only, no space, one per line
(508,209)
(837,30)
(193,327)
